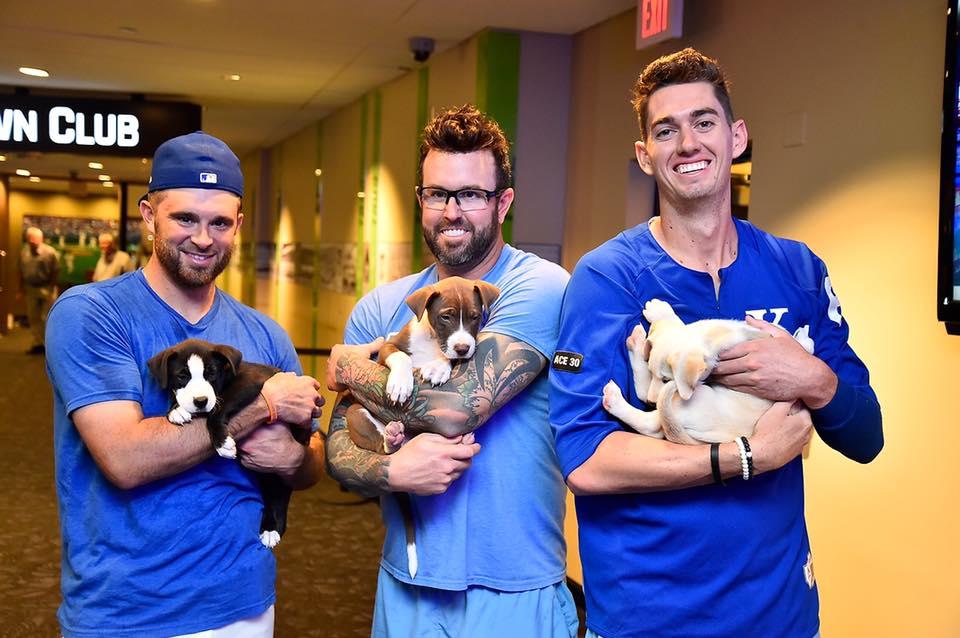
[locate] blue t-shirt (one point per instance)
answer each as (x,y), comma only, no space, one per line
(707,561)
(177,555)
(500,525)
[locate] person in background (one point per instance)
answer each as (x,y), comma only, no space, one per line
(39,272)
(112,262)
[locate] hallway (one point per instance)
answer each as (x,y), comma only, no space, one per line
(327,563)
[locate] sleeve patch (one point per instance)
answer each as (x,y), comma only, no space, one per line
(567,361)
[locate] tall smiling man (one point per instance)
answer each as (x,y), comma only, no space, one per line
(160,535)
(488,523)
(667,550)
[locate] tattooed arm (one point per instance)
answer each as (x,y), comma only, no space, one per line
(426,465)
(499,370)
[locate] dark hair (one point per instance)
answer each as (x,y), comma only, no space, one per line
(465,130)
(683,67)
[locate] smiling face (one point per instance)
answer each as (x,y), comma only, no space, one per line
(689,145)
(462,241)
(194,232)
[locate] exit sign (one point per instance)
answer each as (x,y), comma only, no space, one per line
(658,21)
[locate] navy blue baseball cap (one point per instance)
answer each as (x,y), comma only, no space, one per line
(196,160)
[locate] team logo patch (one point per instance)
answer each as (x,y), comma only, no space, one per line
(567,361)
(208,178)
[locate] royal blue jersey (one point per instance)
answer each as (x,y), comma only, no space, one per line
(707,561)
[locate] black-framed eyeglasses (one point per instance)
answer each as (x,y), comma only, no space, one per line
(468,199)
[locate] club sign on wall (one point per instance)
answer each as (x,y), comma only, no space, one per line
(104,127)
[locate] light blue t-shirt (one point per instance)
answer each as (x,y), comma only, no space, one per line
(178,555)
(500,525)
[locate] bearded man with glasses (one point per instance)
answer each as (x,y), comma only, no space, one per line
(489,526)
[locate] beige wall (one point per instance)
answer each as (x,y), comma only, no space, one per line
(862,192)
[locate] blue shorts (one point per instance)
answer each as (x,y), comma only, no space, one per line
(408,611)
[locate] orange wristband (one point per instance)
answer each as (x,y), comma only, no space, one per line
(270,408)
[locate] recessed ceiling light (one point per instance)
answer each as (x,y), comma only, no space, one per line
(95,166)
(29,70)
(361,194)
(3,158)
(103,178)
(108,184)
(144,160)
(233,77)
(22,172)
(34,178)
(318,172)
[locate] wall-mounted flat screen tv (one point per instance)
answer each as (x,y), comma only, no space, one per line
(948,276)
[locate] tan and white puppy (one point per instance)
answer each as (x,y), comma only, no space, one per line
(670,365)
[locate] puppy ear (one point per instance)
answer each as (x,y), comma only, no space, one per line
(419,300)
(157,365)
(488,293)
(231,355)
(691,372)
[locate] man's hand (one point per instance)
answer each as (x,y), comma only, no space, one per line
(339,351)
(295,398)
(778,369)
(780,436)
(429,463)
(272,449)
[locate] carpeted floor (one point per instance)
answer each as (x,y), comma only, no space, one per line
(327,563)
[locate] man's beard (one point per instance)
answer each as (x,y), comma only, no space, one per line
(181,272)
(469,254)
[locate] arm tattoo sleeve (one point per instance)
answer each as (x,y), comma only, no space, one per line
(358,470)
(500,368)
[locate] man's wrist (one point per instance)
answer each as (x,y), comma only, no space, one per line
(823,388)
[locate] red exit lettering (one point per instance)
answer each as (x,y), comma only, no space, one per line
(654,17)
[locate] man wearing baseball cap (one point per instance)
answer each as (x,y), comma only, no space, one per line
(160,535)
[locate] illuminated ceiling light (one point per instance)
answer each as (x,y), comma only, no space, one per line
(22,172)
(34,178)
(318,172)
(103,178)
(37,73)
(97,166)
(361,194)
(3,158)
(108,184)
(144,160)
(233,77)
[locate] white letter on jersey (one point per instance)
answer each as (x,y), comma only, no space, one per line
(833,312)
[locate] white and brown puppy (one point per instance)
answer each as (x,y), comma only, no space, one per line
(447,319)
(213,380)
(670,365)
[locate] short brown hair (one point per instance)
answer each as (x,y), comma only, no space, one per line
(683,67)
(465,130)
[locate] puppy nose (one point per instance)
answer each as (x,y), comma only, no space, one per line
(200,402)
(461,349)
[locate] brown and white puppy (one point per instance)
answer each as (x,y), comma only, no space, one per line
(447,320)
(213,380)
(670,365)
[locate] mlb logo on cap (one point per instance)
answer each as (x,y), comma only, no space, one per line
(196,160)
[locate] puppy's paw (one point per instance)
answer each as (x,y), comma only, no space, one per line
(803,336)
(179,416)
(393,436)
(655,310)
(436,371)
(270,538)
(636,339)
(612,398)
(229,448)
(399,385)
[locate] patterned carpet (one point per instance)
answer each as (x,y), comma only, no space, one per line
(327,563)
